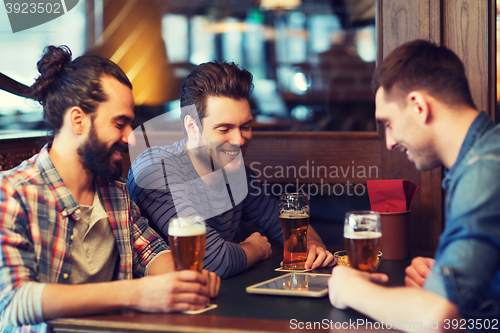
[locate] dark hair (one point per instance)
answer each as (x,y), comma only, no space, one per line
(219,79)
(63,83)
(422,65)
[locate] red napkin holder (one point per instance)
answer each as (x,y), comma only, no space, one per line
(392,199)
(395,241)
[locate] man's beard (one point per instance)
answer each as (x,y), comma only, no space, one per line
(96,157)
(204,156)
(209,156)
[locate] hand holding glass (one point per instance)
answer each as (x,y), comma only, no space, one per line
(294,219)
(187,238)
(362,233)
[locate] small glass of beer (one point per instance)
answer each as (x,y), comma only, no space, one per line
(186,238)
(362,233)
(294,219)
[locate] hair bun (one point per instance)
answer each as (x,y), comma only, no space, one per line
(53,61)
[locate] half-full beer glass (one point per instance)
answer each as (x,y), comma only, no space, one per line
(294,219)
(362,232)
(187,237)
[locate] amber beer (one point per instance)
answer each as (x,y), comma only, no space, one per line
(362,248)
(187,244)
(294,227)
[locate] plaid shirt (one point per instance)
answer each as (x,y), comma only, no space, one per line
(37,216)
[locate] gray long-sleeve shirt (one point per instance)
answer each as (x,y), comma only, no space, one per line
(165,184)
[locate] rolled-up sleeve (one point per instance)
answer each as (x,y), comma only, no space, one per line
(460,276)
(147,244)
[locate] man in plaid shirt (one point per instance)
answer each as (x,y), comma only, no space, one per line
(70,238)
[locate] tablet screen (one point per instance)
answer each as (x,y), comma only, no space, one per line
(294,284)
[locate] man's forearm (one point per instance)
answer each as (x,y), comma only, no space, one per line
(415,307)
(313,237)
(252,253)
(61,300)
(256,248)
(163,263)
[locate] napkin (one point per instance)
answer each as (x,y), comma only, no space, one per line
(391,195)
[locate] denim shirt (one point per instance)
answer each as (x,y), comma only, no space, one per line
(467,267)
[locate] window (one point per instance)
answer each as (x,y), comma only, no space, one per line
(312,62)
(20,53)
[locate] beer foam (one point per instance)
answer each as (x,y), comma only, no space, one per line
(189,230)
(293,215)
(362,234)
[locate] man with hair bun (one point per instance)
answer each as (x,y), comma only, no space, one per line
(70,238)
(424,103)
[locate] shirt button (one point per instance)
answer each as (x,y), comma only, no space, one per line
(65,213)
(65,276)
(72,236)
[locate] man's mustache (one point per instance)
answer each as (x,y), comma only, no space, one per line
(119,146)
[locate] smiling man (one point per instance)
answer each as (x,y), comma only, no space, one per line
(71,240)
(424,103)
(205,175)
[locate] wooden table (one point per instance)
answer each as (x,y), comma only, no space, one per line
(241,312)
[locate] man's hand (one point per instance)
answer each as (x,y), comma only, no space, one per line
(213,283)
(418,271)
(318,256)
(176,291)
(257,248)
(345,278)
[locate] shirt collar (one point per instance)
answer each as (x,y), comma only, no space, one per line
(66,202)
(477,129)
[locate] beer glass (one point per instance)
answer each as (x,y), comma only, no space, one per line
(362,233)
(186,238)
(294,219)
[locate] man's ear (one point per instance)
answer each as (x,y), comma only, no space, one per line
(419,103)
(78,120)
(191,127)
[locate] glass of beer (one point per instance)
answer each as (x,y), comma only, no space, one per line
(362,233)
(294,219)
(186,238)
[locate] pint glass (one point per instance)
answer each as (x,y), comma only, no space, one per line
(362,232)
(294,219)
(186,238)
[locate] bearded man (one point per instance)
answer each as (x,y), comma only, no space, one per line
(70,238)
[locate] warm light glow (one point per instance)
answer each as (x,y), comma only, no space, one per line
(279,4)
(300,81)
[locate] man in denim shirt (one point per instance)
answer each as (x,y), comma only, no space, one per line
(424,103)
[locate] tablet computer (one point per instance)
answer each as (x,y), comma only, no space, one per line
(293,284)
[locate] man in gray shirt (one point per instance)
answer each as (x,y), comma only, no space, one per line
(204,174)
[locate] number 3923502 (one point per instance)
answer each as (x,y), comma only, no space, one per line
(477,324)
(32,8)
